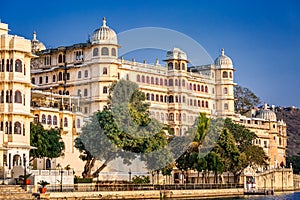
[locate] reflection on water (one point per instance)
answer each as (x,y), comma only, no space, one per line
(289,196)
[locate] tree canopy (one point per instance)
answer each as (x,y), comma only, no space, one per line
(123,129)
(233,150)
(245,99)
(48,143)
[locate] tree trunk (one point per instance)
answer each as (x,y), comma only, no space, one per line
(198,177)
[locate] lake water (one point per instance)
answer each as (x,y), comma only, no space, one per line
(288,196)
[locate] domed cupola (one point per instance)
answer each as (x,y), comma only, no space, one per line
(267,114)
(223,61)
(104,35)
(36,45)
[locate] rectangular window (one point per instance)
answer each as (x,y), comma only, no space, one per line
(41,80)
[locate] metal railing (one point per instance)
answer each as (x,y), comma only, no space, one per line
(132,187)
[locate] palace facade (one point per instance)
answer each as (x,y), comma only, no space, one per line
(60,86)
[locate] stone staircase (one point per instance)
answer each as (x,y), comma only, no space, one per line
(14,192)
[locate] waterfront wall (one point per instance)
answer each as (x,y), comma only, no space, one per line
(148,194)
(279,179)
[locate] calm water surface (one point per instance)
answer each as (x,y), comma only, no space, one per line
(289,196)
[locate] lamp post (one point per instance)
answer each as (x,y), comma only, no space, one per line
(24,162)
(129,174)
(61,179)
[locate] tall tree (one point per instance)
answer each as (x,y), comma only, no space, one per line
(48,143)
(122,129)
(250,154)
(245,99)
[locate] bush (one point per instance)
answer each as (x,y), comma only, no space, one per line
(141,179)
(83,180)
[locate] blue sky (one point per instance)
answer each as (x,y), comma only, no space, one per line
(261,37)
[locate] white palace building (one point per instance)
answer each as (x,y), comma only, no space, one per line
(81,74)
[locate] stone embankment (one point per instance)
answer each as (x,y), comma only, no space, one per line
(154,194)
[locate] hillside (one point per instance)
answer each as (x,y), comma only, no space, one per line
(291,116)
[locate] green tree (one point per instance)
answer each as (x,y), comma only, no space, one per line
(122,129)
(250,154)
(245,99)
(48,143)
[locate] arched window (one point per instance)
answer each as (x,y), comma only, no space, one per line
(49,120)
(206,104)
(104,70)
(86,73)
(171,117)
(161,99)
(2,97)
(18,97)
(152,97)
(148,96)
(225,106)
(85,92)
(177,66)
(113,52)
(138,78)
(191,86)
(170,82)
(48,164)
(194,86)
(59,76)
(199,104)
(43,119)
(54,120)
(225,74)
(104,90)
(152,80)
(156,81)
(53,78)
(65,122)
(143,79)
(176,82)
(79,74)
(7,65)
(17,128)
(206,89)
(147,79)
(183,99)
(183,66)
(198,88)
(127,77)
(170,66)
(104,51)
(202,88)
(183,83)
(60,58)
(171,99)
(225,90)
(157,97)
(78,123)
(161,81)
(95,52)
(18,65)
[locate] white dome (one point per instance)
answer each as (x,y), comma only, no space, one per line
(176,53)
(267,114)
(223,61)
(104,35)
(36,45)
